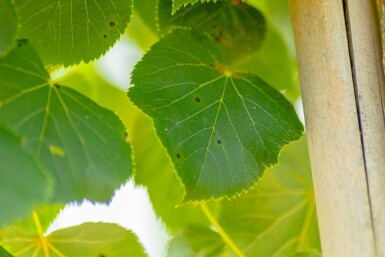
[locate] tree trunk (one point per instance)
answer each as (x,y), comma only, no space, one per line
(342,82)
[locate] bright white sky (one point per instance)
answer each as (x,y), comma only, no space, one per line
(130,207)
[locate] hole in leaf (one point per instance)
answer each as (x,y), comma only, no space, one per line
(178,155)
(219,141)
(197,99)
(112,23)
(105,36)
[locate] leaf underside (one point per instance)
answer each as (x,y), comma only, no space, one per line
(67,32)
(277,218)
(80,144)
(220,128)
(22,184)
(237,29)
(8,27)
(88,239)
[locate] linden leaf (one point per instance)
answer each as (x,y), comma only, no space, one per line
(67,32)
(8,25)
(176,4)
(237,28)
(80,144)
(275,219)
(22,183)
(220,128)
(88,239)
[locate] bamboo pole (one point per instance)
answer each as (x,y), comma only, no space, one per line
(342,83)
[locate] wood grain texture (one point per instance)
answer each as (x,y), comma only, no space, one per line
(342,83)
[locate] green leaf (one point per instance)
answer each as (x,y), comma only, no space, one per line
(88,239)
(8,26)
(176,4)
(81,144)
(308,254)
(272,62)
(237,28)
(4,253)
(220,128)
(190,240)
(22,183)
(146,11)
(277,218)
(67,32)
(46,214)
(154,168)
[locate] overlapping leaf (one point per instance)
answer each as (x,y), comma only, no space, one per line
(79,143)
(273,63)
(237,28)
(4,253)
(88,239)
(67,32)
(179,3)
(276,219)
(22,183)
(8,25)
(196,241)
(153,168)
(220,128)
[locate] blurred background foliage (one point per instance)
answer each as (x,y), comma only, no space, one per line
(276,218)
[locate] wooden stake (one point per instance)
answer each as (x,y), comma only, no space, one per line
(340,68)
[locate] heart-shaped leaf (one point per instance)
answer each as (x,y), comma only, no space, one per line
(67,32)
(221,128)
(81,144)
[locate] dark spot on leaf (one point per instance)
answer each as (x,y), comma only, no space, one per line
(219,141)
(112,23)
(213,25)
(197,99)
(126,135)
(101,255)
(105,36)
(19,45)
(211,65)
(57,86)
(178,155)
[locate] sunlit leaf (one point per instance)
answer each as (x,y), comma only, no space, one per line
(221,128)
(8,25)
(47,215)
(82,145)
(22,182)
(88,239)
(67,32)
(4,253)
(189,242)
(237,28)
(308,254)
(276,219)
